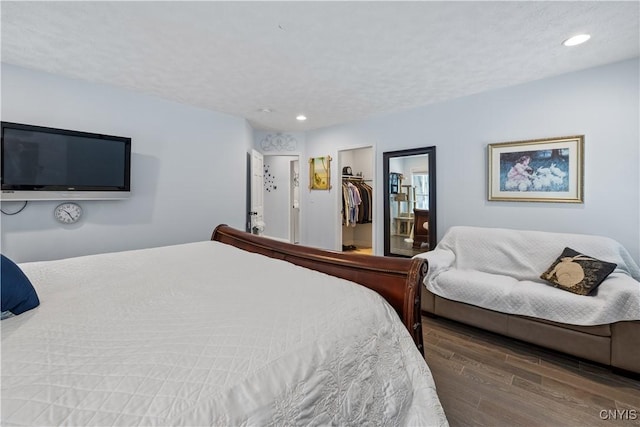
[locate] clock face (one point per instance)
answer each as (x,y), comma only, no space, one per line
(68,213)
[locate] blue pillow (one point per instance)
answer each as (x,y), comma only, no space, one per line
(17,293)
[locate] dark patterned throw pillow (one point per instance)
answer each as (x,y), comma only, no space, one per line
(577,273)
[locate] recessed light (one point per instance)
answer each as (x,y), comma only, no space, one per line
(265,110)
(576,40)
(301,118)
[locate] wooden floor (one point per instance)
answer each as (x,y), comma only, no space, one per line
(484,379)
(399,246)
(363,251)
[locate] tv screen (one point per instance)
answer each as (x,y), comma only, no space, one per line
(37,161)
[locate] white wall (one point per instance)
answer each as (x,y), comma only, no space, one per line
(188,168)
(183,158)
(602,103)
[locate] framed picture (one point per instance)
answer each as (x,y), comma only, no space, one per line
(320,173)
(394,183)
(542,170)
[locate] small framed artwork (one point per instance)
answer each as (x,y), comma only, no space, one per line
(394,183)
(541,170)
(320,173)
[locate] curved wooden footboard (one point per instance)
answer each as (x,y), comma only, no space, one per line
(398,280)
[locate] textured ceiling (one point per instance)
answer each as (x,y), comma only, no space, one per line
(336,62)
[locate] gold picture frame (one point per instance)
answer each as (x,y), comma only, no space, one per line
(539,170)
(320,173)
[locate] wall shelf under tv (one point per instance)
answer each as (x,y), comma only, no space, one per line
(10,195)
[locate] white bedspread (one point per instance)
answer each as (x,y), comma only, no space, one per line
(207,334)
(499,269)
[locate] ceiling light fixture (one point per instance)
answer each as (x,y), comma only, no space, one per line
(301,118)
(265,110)
(576,40)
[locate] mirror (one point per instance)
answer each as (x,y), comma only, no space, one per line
(409,201)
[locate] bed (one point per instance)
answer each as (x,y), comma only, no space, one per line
(238,330)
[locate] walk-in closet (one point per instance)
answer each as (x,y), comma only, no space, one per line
(357,199)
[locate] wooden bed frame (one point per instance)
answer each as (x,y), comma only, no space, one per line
(398,280)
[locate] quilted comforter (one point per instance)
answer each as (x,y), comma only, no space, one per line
(207,334)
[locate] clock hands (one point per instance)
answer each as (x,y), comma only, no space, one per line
(68,213)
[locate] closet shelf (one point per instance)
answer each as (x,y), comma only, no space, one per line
(355,178)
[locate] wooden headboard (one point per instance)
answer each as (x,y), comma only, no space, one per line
(398,280)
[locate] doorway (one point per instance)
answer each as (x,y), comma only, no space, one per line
(281,197)
(356,200)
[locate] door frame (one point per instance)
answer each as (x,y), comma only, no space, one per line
(255,213)
(294,226)
(298,157)
(338,196)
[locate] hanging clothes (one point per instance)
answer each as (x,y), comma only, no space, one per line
(357,198)
(366,193)
(351,200)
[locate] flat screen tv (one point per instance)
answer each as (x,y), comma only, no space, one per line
(41,163)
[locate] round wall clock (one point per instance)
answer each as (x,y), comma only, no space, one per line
(68,213)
